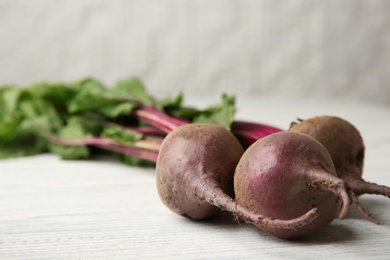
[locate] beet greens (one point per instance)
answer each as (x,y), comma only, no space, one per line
(84,118)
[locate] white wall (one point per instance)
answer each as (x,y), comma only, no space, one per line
(327,47)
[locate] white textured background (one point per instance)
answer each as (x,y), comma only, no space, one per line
(327,47)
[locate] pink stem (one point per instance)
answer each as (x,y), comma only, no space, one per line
(246,132)
(149,154)
(159,119)
(147,130)
(139,153)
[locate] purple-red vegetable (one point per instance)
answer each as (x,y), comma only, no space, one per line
(195,169)
(285,175)
(346,147)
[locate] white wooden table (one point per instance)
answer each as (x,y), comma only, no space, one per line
(54,209)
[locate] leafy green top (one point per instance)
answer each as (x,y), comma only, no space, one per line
(88,110)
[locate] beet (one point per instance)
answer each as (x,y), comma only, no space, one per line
(346,147)
(285,175)
(195,169)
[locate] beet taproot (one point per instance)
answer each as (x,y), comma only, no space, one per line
(346,147)
(195,169)
(286,174)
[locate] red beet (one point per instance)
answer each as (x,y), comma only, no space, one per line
(285,175)
(195,169)
(346,147)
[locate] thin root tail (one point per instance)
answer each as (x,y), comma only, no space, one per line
(364,212)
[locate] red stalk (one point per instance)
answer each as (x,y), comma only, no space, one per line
(158,119)
(246,132)
(149,154)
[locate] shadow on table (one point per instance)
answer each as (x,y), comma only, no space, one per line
(223,219)
(332,234)
(335,232)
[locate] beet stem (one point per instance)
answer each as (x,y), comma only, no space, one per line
(159,119)
(147,130)
(146,151)
(148,155)
(246,132)
(254,127)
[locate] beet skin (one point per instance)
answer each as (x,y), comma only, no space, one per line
(286,174)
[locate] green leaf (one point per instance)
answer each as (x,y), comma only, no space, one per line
(22,145)
(76,128)
(82,109)
(117,109)
(24,127)
(23,137)
(56,93)
(132,88)
(187,112)
(171,105)
(78,85)
(121,134)
(39,126)
(222,114)
(34,108)
(89,97)
(9,124)
(9,97)
(133,161)
(92,96)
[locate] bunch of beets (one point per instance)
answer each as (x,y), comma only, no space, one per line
(289,183)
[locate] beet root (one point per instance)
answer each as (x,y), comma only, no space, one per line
(193,160)
(195,169)
(346,147)
(286,174)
